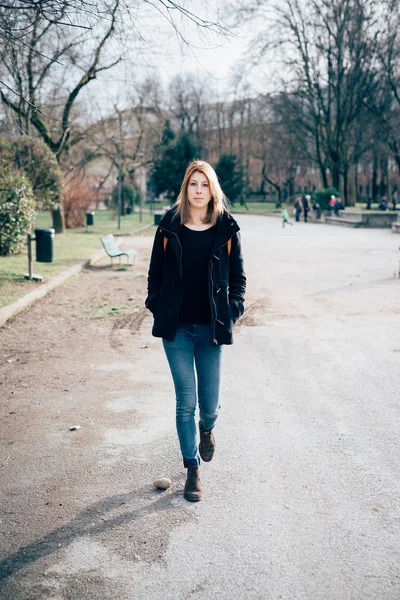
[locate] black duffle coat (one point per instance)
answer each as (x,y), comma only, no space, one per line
(226,279)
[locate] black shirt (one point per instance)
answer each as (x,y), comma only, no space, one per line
(196,254)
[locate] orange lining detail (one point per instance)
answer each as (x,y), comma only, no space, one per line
(229,244)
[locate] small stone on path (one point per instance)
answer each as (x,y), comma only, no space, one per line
(163,483)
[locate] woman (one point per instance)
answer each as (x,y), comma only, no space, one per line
(306,206)
(196,287)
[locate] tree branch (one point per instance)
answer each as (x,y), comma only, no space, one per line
(87,77)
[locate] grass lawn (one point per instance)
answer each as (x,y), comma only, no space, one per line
(70,247)
(256,207)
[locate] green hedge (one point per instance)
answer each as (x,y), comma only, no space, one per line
(323,197)
(36,161)
(17,212)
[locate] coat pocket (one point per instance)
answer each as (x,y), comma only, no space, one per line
(151,303)
(236,308)
(222,302)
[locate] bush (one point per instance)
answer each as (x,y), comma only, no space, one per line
(36,161)
(78,197)
(323,197)
(17,212)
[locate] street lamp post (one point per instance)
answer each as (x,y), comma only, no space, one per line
(119,191)
(119,149)
(142,186)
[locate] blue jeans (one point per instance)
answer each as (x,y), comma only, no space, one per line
(192,354)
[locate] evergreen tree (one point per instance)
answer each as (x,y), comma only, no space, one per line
(231,177)
(172,157)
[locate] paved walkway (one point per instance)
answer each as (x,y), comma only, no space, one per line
(302,498)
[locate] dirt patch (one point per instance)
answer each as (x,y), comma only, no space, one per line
(77,358)
(53,345)
(256,314)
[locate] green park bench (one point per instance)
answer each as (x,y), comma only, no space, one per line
(110,246)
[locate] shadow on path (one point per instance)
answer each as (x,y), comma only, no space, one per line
(84,524)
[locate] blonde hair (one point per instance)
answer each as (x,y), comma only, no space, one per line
(218,203)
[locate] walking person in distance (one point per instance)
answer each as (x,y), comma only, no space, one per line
(298,208)
(285,217)
(306,206)
(196,288)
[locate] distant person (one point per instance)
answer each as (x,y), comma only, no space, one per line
(298,208)
(369,202)
(285,217)
(331,203)
(337,206)
(306,206)
(383,204)
(317,209)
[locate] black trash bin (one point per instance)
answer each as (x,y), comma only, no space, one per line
(89,218)
(157,218)
(44,245)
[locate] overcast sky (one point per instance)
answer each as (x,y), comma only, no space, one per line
(211,54)
(164,55)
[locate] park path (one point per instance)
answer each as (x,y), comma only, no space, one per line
(302,498)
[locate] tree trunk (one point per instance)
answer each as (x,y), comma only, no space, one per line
(324,177)
(262,186)
(349,189)
(389,189)
(375,178)
(382,186)
(57,215)
(345,187)
(335,176)
(220,128)
(231,132)
(278,189)
(291,187)
(396,153)
(356,183)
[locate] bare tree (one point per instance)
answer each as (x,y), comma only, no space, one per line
(19,16)
(273,145)
(125,140)
(46,54)
(386,103)
(188,99)
(330,52)
(40,51)
(30,67)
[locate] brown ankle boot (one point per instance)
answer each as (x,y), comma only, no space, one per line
(207,444)
(192,491)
